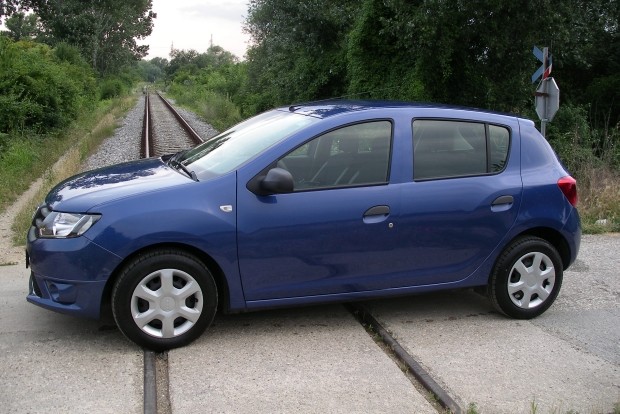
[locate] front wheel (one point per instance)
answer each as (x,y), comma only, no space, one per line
(164,299)
(526,278)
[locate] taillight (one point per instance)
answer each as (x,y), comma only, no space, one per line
(568,185)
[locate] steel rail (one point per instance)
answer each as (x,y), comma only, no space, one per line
(415,368)
(193,134)
(146,147)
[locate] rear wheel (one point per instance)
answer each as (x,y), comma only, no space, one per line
(164,299)
(526,278)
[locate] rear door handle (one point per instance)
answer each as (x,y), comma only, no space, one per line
(502,203)
(503,200)
(376,214)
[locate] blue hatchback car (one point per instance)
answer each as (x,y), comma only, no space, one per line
(320,202)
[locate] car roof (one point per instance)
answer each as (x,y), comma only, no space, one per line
(332,107)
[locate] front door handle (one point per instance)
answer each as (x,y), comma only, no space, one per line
(377,211)
(376,214)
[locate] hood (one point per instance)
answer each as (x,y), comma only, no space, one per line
(83,192)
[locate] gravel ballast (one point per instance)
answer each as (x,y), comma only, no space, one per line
(124,145)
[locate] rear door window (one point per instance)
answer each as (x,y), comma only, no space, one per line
(445,148)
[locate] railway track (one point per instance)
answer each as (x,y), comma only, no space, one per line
(164,129)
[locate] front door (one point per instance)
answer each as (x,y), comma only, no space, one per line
(332,234)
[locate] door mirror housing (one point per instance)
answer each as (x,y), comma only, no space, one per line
(276,181)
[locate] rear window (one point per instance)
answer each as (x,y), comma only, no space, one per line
(444,148)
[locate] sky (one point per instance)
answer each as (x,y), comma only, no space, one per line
(189,24)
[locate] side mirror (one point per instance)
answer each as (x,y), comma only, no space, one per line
(277,181)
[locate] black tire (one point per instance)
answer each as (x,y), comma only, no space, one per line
(527,295)
(164,299)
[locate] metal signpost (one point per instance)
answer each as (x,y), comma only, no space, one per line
(547,96)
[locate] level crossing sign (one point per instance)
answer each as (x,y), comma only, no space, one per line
(547,95)
(547,63)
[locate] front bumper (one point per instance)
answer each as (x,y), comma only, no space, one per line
(66,296)
(69,275)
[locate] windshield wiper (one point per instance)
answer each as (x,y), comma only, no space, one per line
(177,155)
(176,164)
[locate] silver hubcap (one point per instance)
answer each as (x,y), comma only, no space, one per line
(166,303)
(531,280)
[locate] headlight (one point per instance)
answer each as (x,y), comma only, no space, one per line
(62,225)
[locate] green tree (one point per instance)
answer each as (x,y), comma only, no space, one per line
(22,26)
(105,31)
(161,63)
(190,61)
(298,51)
(588,68)
(380,63)
(475,53)
(8,7)
(149,71)
(180,58)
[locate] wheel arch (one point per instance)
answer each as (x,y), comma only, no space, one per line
(212,266)
(552,236)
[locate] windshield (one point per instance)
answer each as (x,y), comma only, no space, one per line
(228,150)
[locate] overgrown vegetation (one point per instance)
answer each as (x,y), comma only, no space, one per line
(43,91)
(74,145)
(593,157)
(207,83)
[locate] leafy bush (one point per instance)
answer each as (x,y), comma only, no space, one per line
(571,137)
(592,157)
(70,54)
(39,89)
(25,158)
(216,109)
(111,88)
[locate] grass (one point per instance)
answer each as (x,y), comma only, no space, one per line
(472,408)
(76,144)
(599,198)
(212,107)
(27,156)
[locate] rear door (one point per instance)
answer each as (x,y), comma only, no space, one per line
(462,198)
